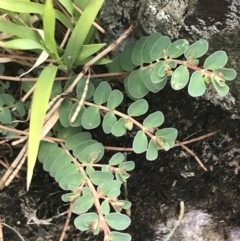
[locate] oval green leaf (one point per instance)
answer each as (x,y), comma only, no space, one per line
(118,221)
(119,128)
(155,119)
(216,60)
(197,86)
(177,48)
(126,57)
(140,142)
(102,93)
(91,118)
(115,99)
(196,50)
(109,120)
(180,77)
(99,177)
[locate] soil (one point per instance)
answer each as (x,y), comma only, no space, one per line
(154,188)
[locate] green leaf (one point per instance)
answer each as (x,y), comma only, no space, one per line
(147,80)
(31,7)
(127,166)
(216,60)
(156,75)
(126,57)
(89,169)
(105,207)
(71,182)
(123,204)
(155,119)
(197,86)
(118,221)
(69,197)
(180,77)
(23,44)
(7,99)
(196,50)
(146,52)
(177,48)
(88,50)
(83,204)
(102,93)
(134,85)
(44,150)
(99,177)
(65,171)
(78,120)
(160,47)
(58,163)
(53,155)
(83,145)
(5,115)
(227,74)
(116,236)
(114,193)
(220,86)
(39,106)
(67,132)
(19,31)
(106,187)
(49,28)
(84,221)
(169,135)
(67,4)
(140,142)
(139,107)
(119,128)
(137,51)
(64,112)
(81,87)
(115,99)
(77,139)
(91,118)
(109,120)
(115,65)
(96,148)
(116,159)
(152,151)
(80,32)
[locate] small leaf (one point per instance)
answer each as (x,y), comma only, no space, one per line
(84,221)
(156,75)
(106,187)
(140,142)
(77,139)
(126,57)
(169,135)
(109,120)
(69,197)
(91,118)
(96,148)
(137,51)
(119,128)
(58,163)
(114,193)
(118,221)
(115,65)
(83,204)
(135,86)
(78,120)
(7,99)
(67,132)
(177,48)
(196,50)
(180,78)
(82,145)
(159,47)
(146,52)
(105,207)
(5,115)
(227,74)
(197,86)
(127,166)
(81,87)
(116,159)
(152,151)
(147,80)
(52,156)
(123,204)
(222,89)
(155,119)
(64,112)
(116,236)
(65,171)
(99,177)
(115,99)
(71,182)
(102,93)
(216,60)
(44,150)
(89,169)
(139,107)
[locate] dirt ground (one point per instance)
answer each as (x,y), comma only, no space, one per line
(155,188)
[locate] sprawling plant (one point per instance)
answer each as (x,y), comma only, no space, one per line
(64,114)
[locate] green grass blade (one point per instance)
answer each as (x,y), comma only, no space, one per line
(80,32)
(68,5)
(31,7)
(38,109)
(19,30)
(25,16)
(49,28)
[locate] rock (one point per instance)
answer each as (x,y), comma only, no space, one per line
(217,21)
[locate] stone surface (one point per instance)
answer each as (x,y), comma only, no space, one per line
(217,21)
